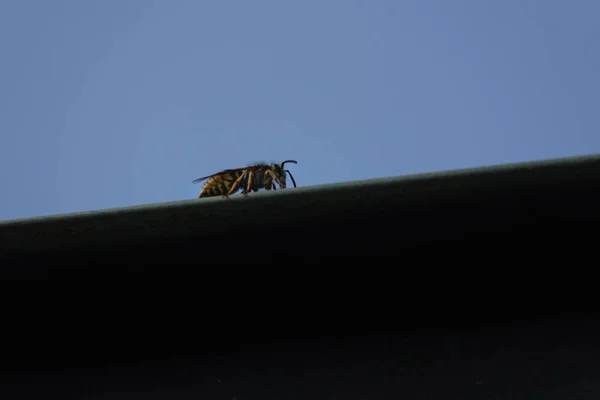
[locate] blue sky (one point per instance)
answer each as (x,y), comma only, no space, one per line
(124,102)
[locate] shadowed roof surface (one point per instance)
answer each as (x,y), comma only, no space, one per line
(301,205)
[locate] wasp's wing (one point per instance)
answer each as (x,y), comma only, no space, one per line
(225,171)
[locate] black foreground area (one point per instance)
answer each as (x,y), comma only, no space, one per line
(465,285)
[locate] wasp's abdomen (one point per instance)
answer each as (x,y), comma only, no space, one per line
(219,185)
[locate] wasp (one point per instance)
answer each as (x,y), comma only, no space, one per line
(248,179)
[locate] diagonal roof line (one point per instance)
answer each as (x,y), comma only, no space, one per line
(212,215)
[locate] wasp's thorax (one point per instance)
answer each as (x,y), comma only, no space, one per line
(259,179)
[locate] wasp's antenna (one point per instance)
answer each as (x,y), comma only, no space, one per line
(287,161)
(293,181)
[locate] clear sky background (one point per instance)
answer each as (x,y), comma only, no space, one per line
(110,103)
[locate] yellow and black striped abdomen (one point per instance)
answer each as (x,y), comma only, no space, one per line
(221,183)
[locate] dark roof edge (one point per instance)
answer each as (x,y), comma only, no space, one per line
(357,185)
(207,214)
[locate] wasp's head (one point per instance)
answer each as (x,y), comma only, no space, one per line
(279,171)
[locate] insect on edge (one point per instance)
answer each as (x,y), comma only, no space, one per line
(247,179)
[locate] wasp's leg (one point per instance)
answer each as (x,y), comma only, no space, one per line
(235,185)
(281,185)
(249,185)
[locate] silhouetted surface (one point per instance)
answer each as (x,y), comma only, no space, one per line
(534,361)
(454,285)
